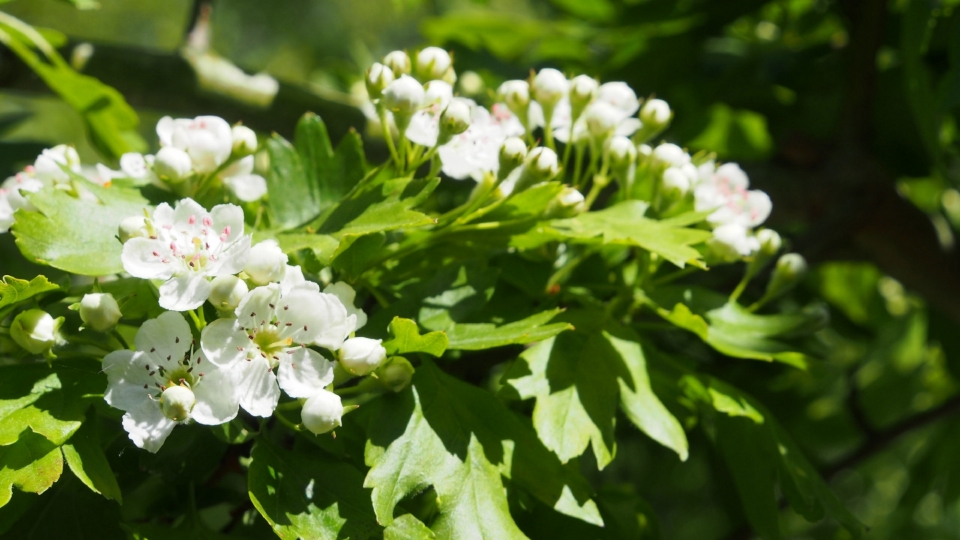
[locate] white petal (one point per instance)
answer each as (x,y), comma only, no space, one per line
(126,376)
(220,341)
(186,209)
(256,306)
(247,187)
(257,387)
(319,318)
(424,128)
(234,258)
(185,292)
(628,126)
(139,260)
(293,279)
(304,372)
(163,215)
(165,129)
(167,335)
(216,394)
(347,296)
(228,215)
(147,426)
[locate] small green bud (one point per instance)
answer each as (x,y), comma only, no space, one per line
(99,311)
(770,242)
(244,140)
(789,271)
(377,79)
(396,374)
(398,62)
(35,330)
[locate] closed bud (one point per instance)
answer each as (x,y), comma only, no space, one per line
(675,181)
(377,79)
(789,271)
(133,227)
(583,90)
(433,63)
(266,263)
(455,119)
(549,87)
(176,403)
(99,311)
(172,164)
(322,412)
(770,242)
(621,152)
(398,62)
(655,114)
(512,154)
(542,162)
(244,140)
(516,95)
(226,292)
(404,97)
(602,119)
(568,203)
(36,330)
(361,355)
(396,374)
(471,83)
(671,155)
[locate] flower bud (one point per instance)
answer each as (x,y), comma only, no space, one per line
(542,162)
(35,330)
(133,227)
(568,203)
(398,62)
(655,114)
(621,152)
(583,90)
(322,412)
(516,95)
(770,242)
(361,355)
(549,87)
(404,95)
(396,374)
(671,155)
(601,119)
(433,63)
(244,140)
(99,311)
(789,271)
(176,402)
(455,119)
(226,292)
(471,84)
(675,181)
(732,242)
(266,263)
(512,154)
(172,164)
(377,79)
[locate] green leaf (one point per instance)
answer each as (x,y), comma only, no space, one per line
(14,291)
(461,444)
(74,234)
(624,224)
(309,495)
(69,510)
(191,528)
(49,402)
(334,173)
(293,199)
(407,527)
(88,462)
(576,379)
(478,336)
(379,208)
(734,134)
(31,464)
(407,339)
(112,122)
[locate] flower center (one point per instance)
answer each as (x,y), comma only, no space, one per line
(270,344)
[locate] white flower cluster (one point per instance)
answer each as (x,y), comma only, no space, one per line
(194,149)
(47,170)
(272,318)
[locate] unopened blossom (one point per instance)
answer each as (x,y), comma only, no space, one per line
(186,247)
(732,242)
(173,164)
(669,154)
(361,355)
(242,182)
(515,95)
(621,151)
(244,140)
(36,330)
(100,311)
(675,181)
(13,197)
(322,412)
(455,119)
(655,114)
(549,86)
(620,104)
(271,332)
(208,140)
(404,96)
(266,263)
(226,292)
(399,62)
(377,79)
(424,128)
(583,90)
(166,382)
(512,153)
(433,63)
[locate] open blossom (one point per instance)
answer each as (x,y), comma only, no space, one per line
(186,247)
(271,332)
(618,101)
(424,126)
(166,382)
(12,197)
(241,181)
(208,140)
(726,191)
(477,150)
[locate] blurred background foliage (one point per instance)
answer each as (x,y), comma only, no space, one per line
(846,112)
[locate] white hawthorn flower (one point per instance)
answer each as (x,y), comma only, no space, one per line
(49,165)
(620,103)
(732,242)
(241,181)
(726,192)
(166,382)
(12,197)
(208,140)
(187,246)
(347,296)
(424,128)
(271,332)
(477,150)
